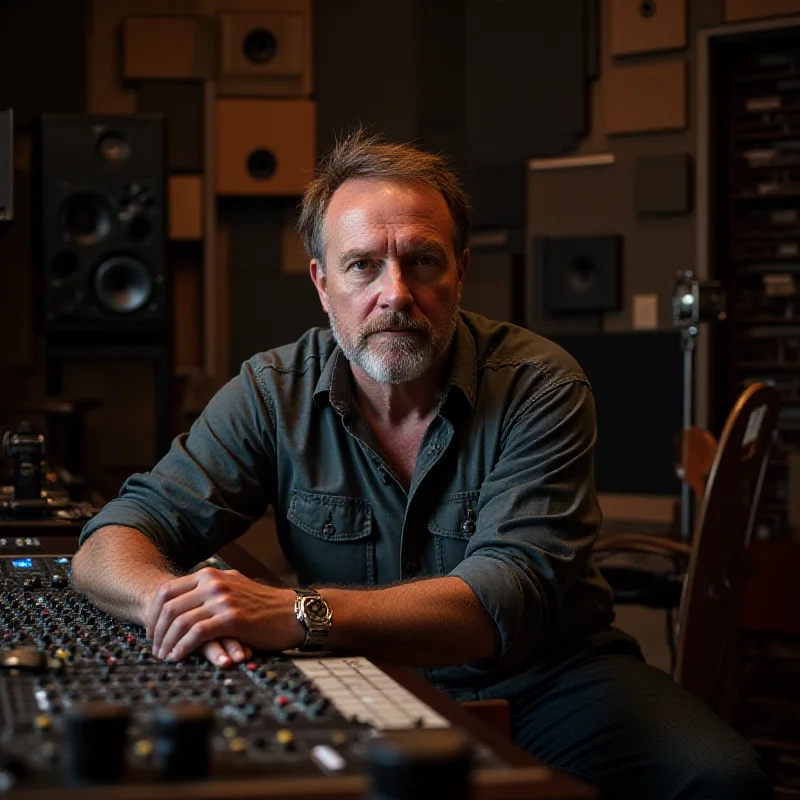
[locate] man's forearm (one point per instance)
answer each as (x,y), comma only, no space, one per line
(428,623)
(120,570)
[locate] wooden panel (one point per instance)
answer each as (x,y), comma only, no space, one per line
(640,27)
(186,311)
(186,207)
(167,47)
(265,147)
(272,49)
(645,97)
(756,9)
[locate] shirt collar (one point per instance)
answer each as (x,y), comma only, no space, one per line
(335,380)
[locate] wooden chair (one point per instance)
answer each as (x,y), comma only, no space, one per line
(715,558)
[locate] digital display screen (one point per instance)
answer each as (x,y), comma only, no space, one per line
(61,560)
(22,563)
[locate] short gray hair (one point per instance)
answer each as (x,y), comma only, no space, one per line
(370,156)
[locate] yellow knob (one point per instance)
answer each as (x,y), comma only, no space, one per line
(284,736)
(143,748)
(62,654)
(339,738)
(43,722)
(237,745)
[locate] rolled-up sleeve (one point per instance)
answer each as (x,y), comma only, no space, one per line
(213,483)
(538,517)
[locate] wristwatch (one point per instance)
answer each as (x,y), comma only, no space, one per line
(315,615)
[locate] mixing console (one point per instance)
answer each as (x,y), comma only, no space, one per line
(82,700)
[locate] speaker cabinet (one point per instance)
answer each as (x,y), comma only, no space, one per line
(103,226)
(265,147)
(271,48)
(582,273)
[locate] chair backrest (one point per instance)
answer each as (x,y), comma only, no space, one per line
(709,608)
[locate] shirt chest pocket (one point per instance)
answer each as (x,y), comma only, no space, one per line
(452,524)
(331,539)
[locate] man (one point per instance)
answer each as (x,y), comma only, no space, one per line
(431,474)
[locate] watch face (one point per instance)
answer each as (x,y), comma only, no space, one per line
(316,610)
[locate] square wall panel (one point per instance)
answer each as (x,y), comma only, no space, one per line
(167,47)
(645,97)
(265,147)
(643,26)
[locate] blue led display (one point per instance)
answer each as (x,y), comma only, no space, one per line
(61,560)
(22,563)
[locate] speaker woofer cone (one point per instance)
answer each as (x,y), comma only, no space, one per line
(122,284)
(86,218)
(260,46)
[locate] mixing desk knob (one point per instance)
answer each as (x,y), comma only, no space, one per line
(182,743)
(96,734)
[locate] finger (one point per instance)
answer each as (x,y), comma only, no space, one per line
(180,627)
(170,611)
(215,654)
(174,589)
(214,627)
(165,593)
(235,649)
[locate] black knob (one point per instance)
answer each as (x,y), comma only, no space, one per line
(182,741)
(96,734)
(421,764)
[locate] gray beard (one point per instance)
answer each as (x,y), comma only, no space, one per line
(400,359)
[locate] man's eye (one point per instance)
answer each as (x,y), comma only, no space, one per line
(361,266)
(425,260)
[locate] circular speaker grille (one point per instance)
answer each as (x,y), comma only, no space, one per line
(261,164)
(86,218)
(260,46)
(122,284)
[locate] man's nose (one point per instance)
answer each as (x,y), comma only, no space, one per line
(395,291)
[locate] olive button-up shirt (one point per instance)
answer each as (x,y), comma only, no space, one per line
(502,494)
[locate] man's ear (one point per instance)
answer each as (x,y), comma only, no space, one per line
(320,280)
(463,265)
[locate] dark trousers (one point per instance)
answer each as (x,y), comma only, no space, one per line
(611,720)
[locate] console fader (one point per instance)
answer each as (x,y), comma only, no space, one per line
(82,700)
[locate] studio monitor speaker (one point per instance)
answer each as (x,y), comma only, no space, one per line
(270,50)
(103,226)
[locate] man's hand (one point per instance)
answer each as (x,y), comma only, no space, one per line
(210,606)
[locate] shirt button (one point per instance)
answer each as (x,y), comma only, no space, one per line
(468,527)
(412,567)
(329,529)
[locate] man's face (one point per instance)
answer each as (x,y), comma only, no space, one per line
(391,282)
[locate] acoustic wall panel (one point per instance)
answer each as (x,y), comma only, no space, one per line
(265,147)
(168,47)
(640,26)
(736,10)
(646,97)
